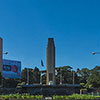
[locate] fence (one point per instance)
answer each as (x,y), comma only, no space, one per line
(94,93)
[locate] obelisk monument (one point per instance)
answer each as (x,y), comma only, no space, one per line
(50,62)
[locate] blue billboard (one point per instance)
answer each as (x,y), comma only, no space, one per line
(11,69)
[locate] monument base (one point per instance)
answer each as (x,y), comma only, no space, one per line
(49,90)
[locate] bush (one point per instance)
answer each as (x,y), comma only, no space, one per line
(21,96)
(76,96)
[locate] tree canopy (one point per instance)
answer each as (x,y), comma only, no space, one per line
(88,77)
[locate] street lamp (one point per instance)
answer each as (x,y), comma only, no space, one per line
(93,53)
(5,53)
(2,70)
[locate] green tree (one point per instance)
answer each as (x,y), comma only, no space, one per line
(34,75)
(83,75)
(94,78)
(67,75)
(44,78)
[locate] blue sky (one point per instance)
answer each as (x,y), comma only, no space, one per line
(25,26)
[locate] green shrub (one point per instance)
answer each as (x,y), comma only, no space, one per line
(21,96)
(75,96)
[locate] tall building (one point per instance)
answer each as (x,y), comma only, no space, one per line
(50,62)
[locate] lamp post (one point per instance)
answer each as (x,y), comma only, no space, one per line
(5,53)
(93,53)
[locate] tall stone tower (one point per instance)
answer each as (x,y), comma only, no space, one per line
(50,62)
(1,49)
